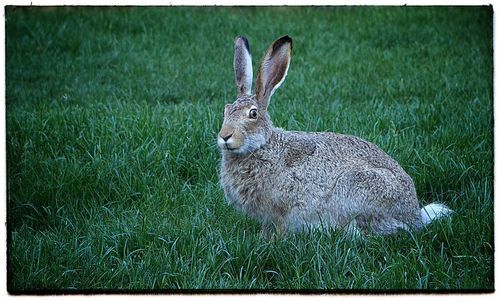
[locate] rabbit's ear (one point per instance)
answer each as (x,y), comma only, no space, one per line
(273,69)
(243,66)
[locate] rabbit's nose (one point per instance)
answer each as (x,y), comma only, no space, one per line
(225,138)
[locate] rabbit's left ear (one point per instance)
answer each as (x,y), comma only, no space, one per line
(273,69)
(242,66)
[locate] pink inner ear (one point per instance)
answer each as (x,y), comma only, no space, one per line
(278,68)
(273,69)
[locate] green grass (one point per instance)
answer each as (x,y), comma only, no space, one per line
(112,165)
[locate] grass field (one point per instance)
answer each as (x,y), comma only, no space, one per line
(112,164)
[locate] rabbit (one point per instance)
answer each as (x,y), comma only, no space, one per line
(292,180)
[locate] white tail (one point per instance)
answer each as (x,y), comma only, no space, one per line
(434,211)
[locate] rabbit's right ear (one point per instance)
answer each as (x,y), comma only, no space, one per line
(273,69)
(243,66)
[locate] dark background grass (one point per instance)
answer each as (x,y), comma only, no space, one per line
(112,166)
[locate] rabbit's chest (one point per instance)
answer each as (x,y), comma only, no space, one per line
(246,186)
(243,182)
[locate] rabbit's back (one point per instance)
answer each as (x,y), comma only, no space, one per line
(348,176)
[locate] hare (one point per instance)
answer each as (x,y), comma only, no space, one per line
(296,180)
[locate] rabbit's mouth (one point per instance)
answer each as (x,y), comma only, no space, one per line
(228,147)
(232,149)
(229,143)
(241,144)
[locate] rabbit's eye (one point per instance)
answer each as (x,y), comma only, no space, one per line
(252,113)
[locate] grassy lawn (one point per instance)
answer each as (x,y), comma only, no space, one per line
(112,163)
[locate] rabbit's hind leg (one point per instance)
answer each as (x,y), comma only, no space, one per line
(370,196)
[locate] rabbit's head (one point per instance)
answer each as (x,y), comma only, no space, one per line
(247,125)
